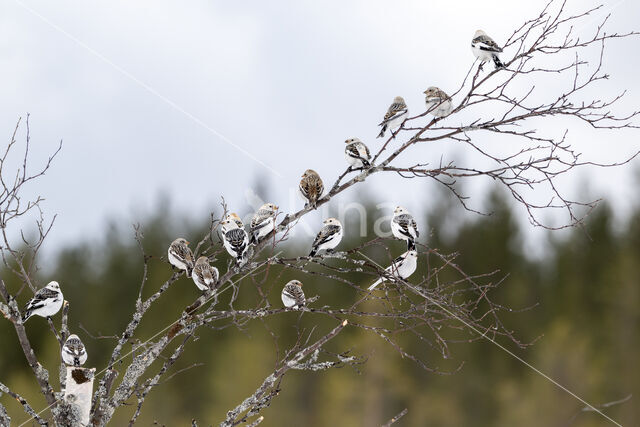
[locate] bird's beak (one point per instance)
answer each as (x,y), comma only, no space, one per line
(277,207)
(188,242)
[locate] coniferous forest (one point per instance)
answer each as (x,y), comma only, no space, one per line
(576,305)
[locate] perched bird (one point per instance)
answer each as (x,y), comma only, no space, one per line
(234,216)
(263,222)
(235,240)
(328,238)
(485,49)
(396,115)
(45,303)
(73,351)
(357,154)
(311,187)
(180,256)
(438,102)
(402,267)
(204,275)
(292,295)
(404,227)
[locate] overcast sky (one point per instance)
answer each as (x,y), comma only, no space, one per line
(202,98)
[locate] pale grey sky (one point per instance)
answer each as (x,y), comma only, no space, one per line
(183,97)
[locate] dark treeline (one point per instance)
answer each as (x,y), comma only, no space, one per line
(585,322)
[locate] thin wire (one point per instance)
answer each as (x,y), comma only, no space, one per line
(161,331)
(484,335)
(149,88)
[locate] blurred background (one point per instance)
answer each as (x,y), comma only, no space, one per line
(586,324)
(165,107)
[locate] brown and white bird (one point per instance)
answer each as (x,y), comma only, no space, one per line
(45,302)
(328,238)
(357,154)
(292,295)
(485,49)
(438,102)
(263,222)
(204,275)
(404,227)
(234,216)
(235,241)
(311,187)
(73,352)
(402,267)
(395,116)
(180,256)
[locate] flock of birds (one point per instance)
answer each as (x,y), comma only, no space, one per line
(236,240)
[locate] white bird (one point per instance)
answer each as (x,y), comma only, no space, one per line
(180,256)
(234,216)
(235,240)
(292,295)
(328,238)
(204,274)
(45,303)
(404,227)
(485,49)
(73,351)
(263,222)
(438,102)
(395,116)
(402,267)
(357,154)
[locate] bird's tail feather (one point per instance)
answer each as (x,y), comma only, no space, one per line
(375,284)
(497,62)
(382,131)
(26,316)
(253,239)
(313,252)
(411,244)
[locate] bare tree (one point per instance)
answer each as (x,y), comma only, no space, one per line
(429,309)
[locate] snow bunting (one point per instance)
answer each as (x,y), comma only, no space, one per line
(234,216)
(180,256)
(357,154)
(402,267)
(204,275)
(396,115)
(292,295)
(73,351)
(263,222)
(328,238)
(235,240)
(311,187)
(485,49)
(404,227)
(438,102)
(45,303)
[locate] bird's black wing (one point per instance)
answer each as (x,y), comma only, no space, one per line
(486,43)
(326,233)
